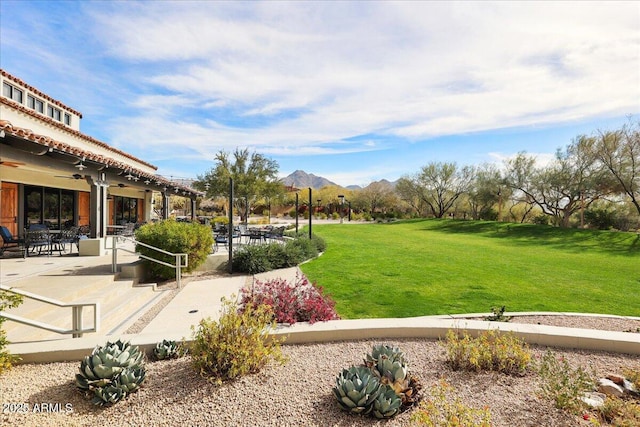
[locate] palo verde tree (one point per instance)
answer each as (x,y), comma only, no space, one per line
(438,185)
(619,152)
(572,182)
(254,176)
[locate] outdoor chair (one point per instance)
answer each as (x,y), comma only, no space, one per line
(8,240)
(38,239)
(68,236)
(256,236)
(276,233)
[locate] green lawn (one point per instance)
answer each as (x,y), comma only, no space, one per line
(425,267)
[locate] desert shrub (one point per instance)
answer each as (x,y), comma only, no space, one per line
(300,301)
(490,351)
(236,345)
(442,408)
(563,384)
(620,412)
(254,259)
(220,220)
(7,300)
(177,237)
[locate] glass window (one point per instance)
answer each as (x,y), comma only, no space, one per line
(35,104)
(50,206)
(7,89)
(125,210)
(50,111)
(67,119)
(12,92)
(33,202)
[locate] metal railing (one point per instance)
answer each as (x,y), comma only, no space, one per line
(178,257)
(76,314)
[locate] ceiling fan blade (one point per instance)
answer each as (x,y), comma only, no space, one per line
(11,164)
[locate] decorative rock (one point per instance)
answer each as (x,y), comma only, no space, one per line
(593,399)
(609,388)
(618,379)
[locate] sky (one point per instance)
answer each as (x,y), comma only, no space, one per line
(351,91)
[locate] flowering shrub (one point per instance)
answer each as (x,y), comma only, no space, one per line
(562,383)
(491,351)
(439,409)
(300,301)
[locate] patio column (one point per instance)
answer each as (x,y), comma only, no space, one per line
(98,206)
(165,206)
(193,209)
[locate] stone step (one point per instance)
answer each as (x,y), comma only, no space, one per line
(118,301)
(62,288)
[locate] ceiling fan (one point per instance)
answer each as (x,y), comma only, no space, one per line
(11,164)
(74,176)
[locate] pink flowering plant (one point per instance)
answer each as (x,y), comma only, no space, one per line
(300,301)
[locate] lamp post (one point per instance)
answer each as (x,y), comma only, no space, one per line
(341,197)
(296,214)
(310,216)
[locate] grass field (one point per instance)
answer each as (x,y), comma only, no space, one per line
(425,267)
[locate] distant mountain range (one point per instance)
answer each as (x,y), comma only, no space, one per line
(301,179)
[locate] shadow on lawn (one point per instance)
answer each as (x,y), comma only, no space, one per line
(567,239)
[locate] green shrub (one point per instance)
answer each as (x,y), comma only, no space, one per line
(7,300)
(490,351)
(177,237)
(236,345)
(438,409)
(563,384)
(253,259)
(220,220)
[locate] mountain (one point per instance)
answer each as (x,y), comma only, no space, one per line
(301,179)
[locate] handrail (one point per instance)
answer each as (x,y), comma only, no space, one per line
(178,264)
(76,314)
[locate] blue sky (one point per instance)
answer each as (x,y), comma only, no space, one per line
(352,91)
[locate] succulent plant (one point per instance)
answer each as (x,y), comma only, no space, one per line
(166,350)
(111,372)
(387,404)
(389,365)
(356,389)
(384,351)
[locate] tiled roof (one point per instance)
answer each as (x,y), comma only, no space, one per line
(39,93)
(63,147)
(73,132)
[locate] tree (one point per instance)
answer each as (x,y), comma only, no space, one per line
(254,176)
(487,189)
(438,186)
(619,151)
(377,196)
(570,183)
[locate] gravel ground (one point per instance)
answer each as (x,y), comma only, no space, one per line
(296,394)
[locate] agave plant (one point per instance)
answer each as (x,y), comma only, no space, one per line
(389,365)
(356,389)
(166,350)
(111,372)
(384,351)
(387,404)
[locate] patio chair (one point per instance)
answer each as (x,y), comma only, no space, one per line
(39,239)
(68,236)
(8,240)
